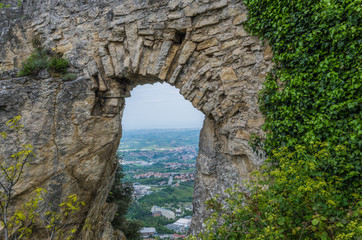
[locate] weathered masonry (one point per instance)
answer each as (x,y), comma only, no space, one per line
(198,46)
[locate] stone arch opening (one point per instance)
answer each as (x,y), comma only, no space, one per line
(224,156)
(165,144)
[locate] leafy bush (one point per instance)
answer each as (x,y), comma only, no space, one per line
(292,201)
(310,187)
(58,65)
(37,61)
(43,59)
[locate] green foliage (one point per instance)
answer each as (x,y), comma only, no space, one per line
(310,187)
(2,5)
(121,194)
(292,201)
(317,47)
(37,61)
(169,195)
(58,65)
(131,229)
(55,221)
(18,223)
(21,223)
(11,170)
(44,59)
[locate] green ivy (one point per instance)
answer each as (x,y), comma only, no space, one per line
(295,200)
(310,187)
(314,93)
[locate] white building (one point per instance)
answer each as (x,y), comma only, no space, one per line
(181,225)
(148,232)
(164,212)
(170,180)
(183,221)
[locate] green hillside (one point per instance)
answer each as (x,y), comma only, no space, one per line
(169,196)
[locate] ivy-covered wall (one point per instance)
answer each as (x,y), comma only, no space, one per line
(314,93)
(312,105)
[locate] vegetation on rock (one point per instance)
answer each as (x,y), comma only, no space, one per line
(42,59)
(3,5)
(37,61)
(310,186)
(18,223)
(121,194)
(58,64)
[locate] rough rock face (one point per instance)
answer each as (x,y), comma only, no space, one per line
(200,47)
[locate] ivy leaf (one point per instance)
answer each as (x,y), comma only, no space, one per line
(315,222)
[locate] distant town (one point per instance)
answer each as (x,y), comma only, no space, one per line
(162,171)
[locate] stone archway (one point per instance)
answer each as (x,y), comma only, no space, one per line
(200,47)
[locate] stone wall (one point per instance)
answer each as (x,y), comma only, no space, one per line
(200,47)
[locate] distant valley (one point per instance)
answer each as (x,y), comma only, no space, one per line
(161,164)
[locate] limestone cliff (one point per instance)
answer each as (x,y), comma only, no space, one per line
(199,46)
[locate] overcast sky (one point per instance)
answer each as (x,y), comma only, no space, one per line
(159,106)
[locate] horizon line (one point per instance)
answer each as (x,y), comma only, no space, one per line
(133,129)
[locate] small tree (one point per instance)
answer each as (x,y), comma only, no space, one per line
(17,224)
(11,170)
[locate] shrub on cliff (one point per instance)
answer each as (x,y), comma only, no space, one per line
(310,186)
(37,61)
(58,64)
(42,58)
